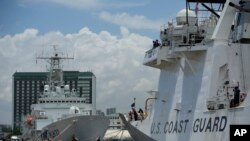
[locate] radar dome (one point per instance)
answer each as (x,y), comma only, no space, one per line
(66,87)
(74,110)
(181,17)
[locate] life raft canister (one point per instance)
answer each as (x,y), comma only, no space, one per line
(242,97)
(29,120)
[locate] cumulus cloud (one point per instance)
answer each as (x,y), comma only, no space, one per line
(116,62)
(90,4)
(78,4)
(131,21)
(82,4)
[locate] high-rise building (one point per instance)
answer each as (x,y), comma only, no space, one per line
(110,111)
(100,112)
(27,86)
(115,121)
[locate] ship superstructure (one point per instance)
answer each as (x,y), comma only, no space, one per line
(204,80)
(57,98)
(61,113)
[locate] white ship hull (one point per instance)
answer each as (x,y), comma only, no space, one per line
(205,126)
(189,91)
(193,78)
(83,128)
(62,113)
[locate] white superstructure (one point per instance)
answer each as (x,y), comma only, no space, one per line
(61,113)
(58,101)
(204,81)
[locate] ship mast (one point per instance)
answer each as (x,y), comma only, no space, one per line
(55,76)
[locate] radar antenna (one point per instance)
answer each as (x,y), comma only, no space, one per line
(55,75)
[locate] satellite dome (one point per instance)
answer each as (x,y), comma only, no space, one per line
(66,88)
(74,110)
(181,17)
(182,13)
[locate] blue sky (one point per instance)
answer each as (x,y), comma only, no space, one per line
(109,37)
(68,16)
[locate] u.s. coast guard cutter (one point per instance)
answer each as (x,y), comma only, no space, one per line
(61,113)
(204,74)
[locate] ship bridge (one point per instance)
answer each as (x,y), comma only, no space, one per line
(190,32)
(162,56)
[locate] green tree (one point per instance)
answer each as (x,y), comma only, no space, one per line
(16,131)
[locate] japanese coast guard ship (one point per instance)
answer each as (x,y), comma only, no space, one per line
(61,113)
(204,81)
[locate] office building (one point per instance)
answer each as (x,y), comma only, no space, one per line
(110,111)
(100,112)
(27,86)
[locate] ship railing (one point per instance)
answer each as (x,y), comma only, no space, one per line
(62,100)
(188,35)
(41,117)
(158,57)
(36,136)
(151,55)
(147,110)
(207,25)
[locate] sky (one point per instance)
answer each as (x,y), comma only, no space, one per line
(108,37)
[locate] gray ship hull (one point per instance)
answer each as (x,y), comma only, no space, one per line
(81,128)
